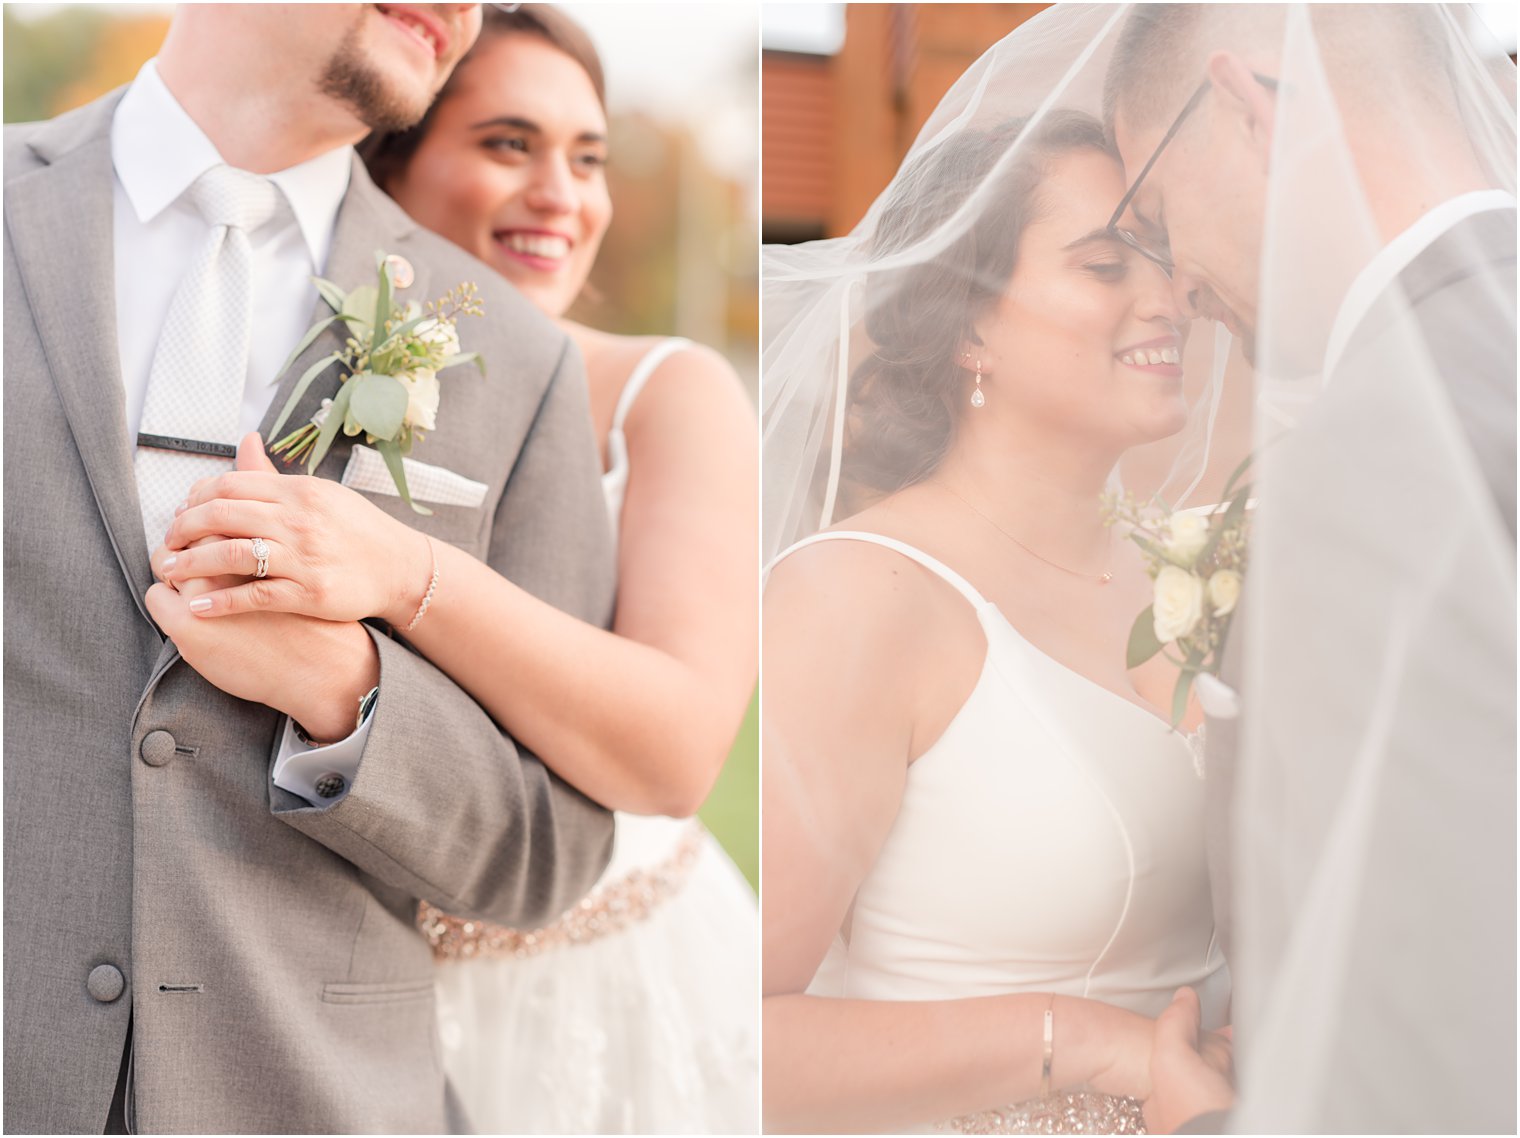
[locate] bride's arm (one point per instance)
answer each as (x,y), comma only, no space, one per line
(639,718)
(840,707)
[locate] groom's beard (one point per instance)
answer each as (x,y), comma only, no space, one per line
(353,79)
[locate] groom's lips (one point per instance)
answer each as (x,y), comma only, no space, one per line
(420,24)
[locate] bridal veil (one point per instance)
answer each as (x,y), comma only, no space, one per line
(1372,387)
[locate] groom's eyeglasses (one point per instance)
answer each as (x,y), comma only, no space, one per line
(1159,252)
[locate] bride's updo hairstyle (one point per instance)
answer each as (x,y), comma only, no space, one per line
(907,396)
(387,155)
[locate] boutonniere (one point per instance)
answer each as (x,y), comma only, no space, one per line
(393,355)
(1197,560)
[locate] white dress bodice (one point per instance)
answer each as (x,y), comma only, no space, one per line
(1051,840)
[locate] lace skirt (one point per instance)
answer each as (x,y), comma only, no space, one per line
(638,1012)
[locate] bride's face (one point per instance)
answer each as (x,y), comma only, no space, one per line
(513,168)
(1086,339)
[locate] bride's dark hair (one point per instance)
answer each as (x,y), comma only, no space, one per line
(387,154)
(907,396)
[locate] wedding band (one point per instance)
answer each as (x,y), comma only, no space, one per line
(261,555)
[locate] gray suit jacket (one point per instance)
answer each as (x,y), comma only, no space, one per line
(271,968)
(1466,313)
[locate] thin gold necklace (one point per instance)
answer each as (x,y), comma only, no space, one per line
(1102,578)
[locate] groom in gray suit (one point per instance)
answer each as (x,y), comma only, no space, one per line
(1450,280)
(192,941)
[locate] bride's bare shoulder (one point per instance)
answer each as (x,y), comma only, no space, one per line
(849,582)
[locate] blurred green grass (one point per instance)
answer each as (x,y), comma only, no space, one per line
(732,811)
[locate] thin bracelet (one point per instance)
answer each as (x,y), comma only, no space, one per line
(1050,1021)
(427,597)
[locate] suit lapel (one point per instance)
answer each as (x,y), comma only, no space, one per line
(367,221)
(60,221)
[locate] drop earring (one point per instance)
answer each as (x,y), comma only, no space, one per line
(977,398)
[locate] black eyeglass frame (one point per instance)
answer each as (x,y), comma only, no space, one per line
(1156,256)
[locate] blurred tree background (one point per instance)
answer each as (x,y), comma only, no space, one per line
(681,257)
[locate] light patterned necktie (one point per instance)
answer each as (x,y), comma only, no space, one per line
(195,388)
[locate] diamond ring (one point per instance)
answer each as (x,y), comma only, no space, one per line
(261,555)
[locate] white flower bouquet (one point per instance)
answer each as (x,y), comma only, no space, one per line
(1197,560)
(393,355)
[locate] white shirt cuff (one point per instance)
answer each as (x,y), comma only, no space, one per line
(321,775)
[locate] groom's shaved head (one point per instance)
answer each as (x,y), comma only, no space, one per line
(1162,52)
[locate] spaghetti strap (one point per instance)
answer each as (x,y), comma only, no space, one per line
(642,370)
(938,568)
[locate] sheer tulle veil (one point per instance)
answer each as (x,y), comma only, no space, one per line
(1374,812)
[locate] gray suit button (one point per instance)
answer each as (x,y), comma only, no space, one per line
(157,748)
(105,983)
(330,786)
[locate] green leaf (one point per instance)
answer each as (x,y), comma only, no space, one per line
(299,389)
(1180,695)
(1150,547)
(401,331)
(1232,515)
(307,340)
(1142,639)
(360,304)
(379,405)
(330,293)
(330,425)
(466,358)
(391,452)
(383,296)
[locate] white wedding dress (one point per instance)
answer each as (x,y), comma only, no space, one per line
(637,1011)
(1051,840)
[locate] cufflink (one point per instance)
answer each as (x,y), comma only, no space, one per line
(402,274)
(329,785)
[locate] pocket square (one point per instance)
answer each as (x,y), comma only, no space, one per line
(367,471)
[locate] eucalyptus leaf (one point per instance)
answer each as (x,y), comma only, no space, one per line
(466,358)
(330,425)
(391,452)
(330,293)
(383,296)
(307,340)
(299,389)
(402,329)
(1142,639)
(379,405)
(1180,695)
(360,304)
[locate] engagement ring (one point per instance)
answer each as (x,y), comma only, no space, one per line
(261,555)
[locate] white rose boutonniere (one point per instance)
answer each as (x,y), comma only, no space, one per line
(1178,606)
(1224,591)
(1188,534)
(393,356)
(1197,560)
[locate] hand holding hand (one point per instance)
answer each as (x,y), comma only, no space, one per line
(332,553)
(1190,1076)
(313,670)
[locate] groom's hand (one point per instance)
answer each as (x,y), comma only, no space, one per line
(313,670)
(1189,1077)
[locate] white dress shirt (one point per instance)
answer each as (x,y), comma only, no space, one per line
(158,152)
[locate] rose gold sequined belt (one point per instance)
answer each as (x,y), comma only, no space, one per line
(1072,1112)
(609,908)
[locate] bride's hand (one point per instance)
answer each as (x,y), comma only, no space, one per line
(331,553)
